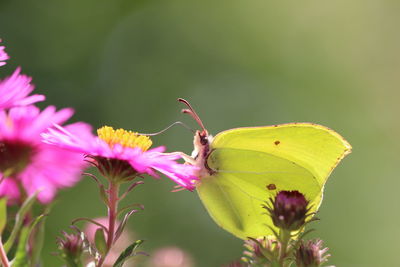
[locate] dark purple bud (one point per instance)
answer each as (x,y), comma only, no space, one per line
(288,210)
(311,254)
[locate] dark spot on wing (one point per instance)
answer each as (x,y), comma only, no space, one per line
(271,187)
(277,142)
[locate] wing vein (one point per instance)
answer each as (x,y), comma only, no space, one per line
(231,205)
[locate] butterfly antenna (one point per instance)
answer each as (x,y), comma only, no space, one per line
(192,113)
(168,127)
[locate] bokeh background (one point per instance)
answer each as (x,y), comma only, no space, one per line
(241,63)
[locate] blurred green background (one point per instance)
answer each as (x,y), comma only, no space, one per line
(123,63)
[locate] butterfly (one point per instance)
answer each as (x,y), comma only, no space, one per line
(241,168)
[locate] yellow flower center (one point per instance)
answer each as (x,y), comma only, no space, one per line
(124,138)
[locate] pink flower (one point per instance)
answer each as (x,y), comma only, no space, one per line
(3,55)
(28,163)
(126,146)
(14,91)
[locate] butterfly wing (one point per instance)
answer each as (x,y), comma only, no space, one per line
(252,164)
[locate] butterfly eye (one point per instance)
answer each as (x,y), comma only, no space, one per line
(203,140)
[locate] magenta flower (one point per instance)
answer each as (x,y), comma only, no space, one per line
(118,147)
(3,55)
(14,91)
(29,164)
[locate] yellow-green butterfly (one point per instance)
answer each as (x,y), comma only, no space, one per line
(242,168)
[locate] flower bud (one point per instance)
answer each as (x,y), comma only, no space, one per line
(72,247)
(289,210)
(262,251)
(311,254)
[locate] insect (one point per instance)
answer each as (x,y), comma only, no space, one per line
(241,168)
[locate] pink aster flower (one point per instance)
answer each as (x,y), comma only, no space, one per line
(119,149)
(14,91)
(29,164)
(3,55)
(120,156)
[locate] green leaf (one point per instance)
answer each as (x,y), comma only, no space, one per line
(100,241)
(21,256)
(122,210)
(19,218)
(39,239)
(3,214)
(127,253)
(122,225)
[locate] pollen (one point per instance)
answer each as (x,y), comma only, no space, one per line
(124,138)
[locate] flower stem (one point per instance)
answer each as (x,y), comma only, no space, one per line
(284,238)
(3,255)
(113,191)
(112,213)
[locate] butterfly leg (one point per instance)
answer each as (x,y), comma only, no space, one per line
(185,157)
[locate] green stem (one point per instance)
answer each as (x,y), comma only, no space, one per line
(284,238)
(112,213)
(113,191)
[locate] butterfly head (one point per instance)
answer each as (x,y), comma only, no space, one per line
(201,142)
